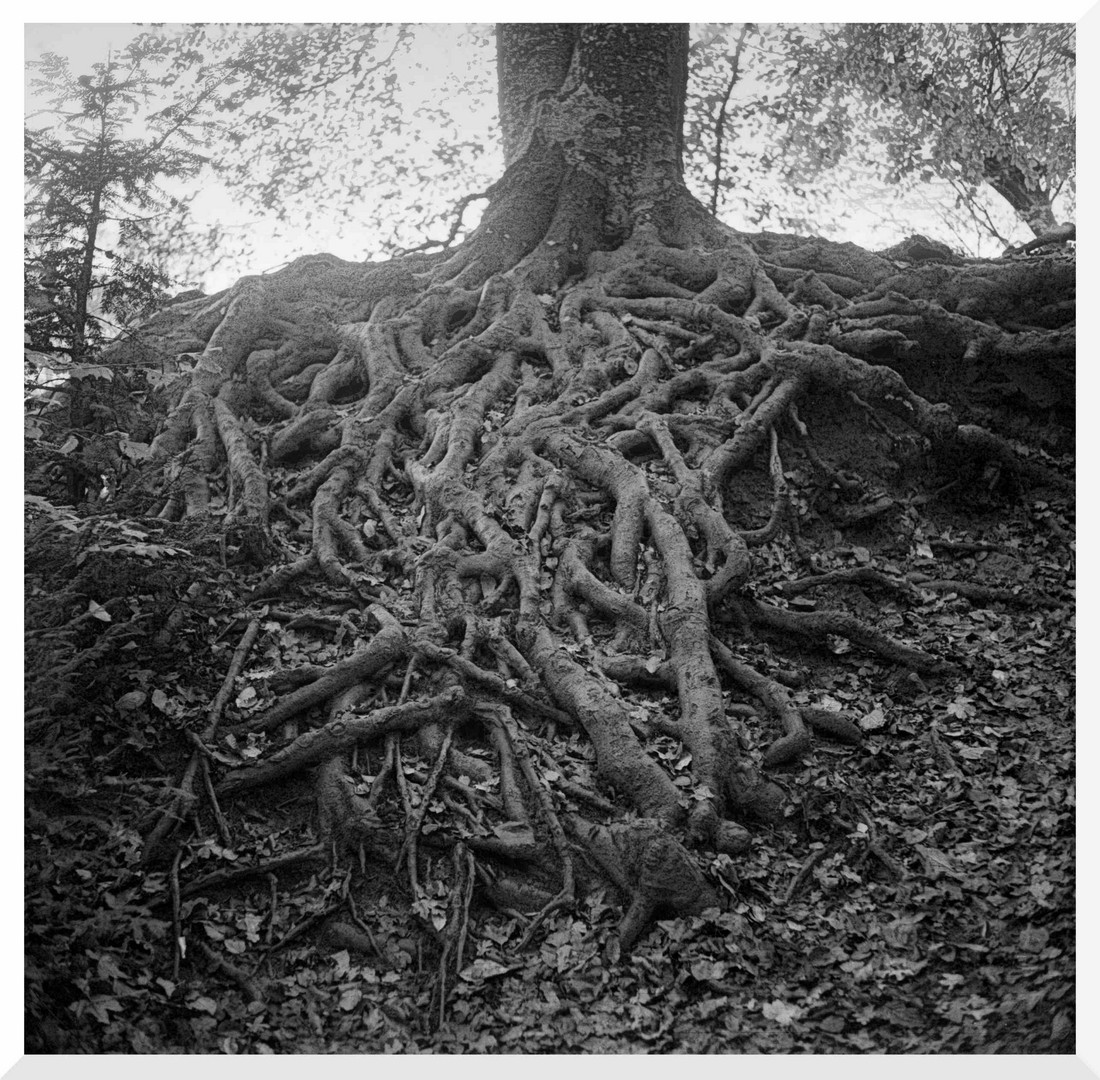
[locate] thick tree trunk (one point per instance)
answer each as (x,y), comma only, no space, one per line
(1028,198)
(592,119)
(527,460)
(610,96)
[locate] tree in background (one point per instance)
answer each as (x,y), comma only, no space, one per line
(972,104)
(784,127)
(100,158)
(341,123)
(95,163)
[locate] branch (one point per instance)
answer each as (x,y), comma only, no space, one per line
(460,209)
(720,123)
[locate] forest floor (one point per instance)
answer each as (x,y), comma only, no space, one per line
(919,896)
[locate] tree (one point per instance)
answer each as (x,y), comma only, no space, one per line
(773,134)
(973,104)
(341,101)
(86,173)
(532,463)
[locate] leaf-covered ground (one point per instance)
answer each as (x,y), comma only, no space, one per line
(919,898)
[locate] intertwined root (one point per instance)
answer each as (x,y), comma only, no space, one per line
(529,495)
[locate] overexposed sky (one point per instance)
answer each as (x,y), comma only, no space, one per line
(428,73)
(435,66)
(83,43)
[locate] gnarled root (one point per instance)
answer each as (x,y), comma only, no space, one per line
(537,472)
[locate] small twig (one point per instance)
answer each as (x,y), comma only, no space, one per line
(442,988)
(463,873)
(461,811)
(183,802)
(378,786)
(273,881)
(413,826)
(965,547)
(577,791)
(354,913)
(248,987)
(219,817)
(301,927)
(467,896)
(195,739)
(406,803)
(219,878)
(240,654)
(858,575)
(981,594)
(409,670)
(807,869)
(174,894)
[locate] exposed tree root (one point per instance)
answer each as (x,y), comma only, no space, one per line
(911,586)
(528,452)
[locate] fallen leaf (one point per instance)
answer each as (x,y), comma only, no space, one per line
(1033,938)
(781,1012)
(873,721)
(517,832)
(97,611)
(350,998)
(936,863)
(705,970)
(483,969)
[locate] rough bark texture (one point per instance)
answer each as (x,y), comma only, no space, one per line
(529,458)
(1030,199)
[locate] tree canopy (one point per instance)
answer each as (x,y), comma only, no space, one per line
(795,122)
(970,103)
(92,188)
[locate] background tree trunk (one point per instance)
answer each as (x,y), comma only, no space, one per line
(1029,199)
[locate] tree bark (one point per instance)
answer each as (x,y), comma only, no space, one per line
(1029,199)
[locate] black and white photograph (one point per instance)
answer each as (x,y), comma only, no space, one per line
(550,538)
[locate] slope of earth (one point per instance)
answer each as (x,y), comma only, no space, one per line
(918,897)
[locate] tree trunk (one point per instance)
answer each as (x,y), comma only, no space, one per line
(1028,198)
(83,286)
(536,463)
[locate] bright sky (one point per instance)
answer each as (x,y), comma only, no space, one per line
(877,220)
(432,64)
